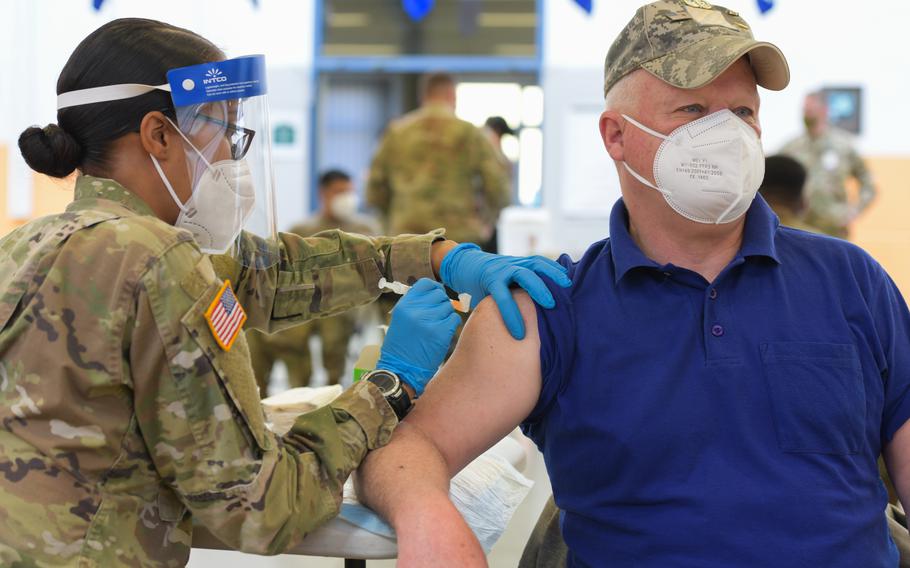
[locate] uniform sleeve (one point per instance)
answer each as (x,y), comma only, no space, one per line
(198,409)
(494,182)
(322,275)
(860,171)
(378,191)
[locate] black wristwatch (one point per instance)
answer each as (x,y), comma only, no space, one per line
(390,386)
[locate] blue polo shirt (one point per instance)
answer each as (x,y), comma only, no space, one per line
(734,423)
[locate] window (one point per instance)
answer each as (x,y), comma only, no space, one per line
(522,108)
(505,28)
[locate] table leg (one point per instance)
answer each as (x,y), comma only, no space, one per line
(355,563)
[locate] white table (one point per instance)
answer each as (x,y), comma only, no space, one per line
(341,539)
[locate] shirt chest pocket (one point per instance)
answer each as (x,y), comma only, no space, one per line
(817,396)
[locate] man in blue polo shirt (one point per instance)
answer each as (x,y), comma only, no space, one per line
(715,388)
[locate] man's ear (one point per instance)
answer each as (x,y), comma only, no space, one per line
(612,135)
(157,135)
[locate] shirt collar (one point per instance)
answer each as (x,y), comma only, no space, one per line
(758,235)
(90,189)
(626,254)
(758,238)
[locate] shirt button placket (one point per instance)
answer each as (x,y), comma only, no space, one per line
(715,349)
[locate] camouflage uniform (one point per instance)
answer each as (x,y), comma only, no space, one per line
(790,219)
(292,345)
(830,159)
(122,419)
(435,170)
(545,547)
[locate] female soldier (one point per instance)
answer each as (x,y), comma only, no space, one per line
(128,402)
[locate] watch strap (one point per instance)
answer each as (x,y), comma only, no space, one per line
(398,398)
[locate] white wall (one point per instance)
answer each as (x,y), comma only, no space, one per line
(37,37)
(825,43)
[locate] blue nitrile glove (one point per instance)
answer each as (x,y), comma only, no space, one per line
(423,323)
(466,268)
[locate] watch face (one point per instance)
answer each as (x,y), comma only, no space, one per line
(390,386)
(385,382)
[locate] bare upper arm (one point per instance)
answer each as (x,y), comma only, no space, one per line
(897,458)
(488,386)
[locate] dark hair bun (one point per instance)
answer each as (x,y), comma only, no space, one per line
(50,150)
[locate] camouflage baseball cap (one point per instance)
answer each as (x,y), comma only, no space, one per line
(688,44)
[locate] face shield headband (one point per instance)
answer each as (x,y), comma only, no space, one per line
(237,78)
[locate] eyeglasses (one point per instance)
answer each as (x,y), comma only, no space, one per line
(240,138)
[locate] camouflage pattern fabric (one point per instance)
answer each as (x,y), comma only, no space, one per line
(434,170)
(790,219)
(291,346)
(830,160)
(545,547)
(123,420)
(318,223)
(688,43)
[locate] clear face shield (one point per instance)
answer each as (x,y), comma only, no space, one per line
(222,116)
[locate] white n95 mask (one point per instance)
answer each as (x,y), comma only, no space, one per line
(220,204)
(344,206)
(708,170)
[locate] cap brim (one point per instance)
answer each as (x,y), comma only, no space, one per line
(700,63)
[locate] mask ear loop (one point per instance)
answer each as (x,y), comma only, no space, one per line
(629,169)
(642,178)
(201,156)
(182,135)
(645,128)
(183,208)
(167,184)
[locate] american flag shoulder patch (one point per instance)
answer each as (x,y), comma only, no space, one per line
(225,316)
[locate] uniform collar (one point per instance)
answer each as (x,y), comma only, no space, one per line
(92,192)
(758,238)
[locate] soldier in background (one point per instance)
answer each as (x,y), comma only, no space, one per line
(338,210)
(829,156)
(434,170)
